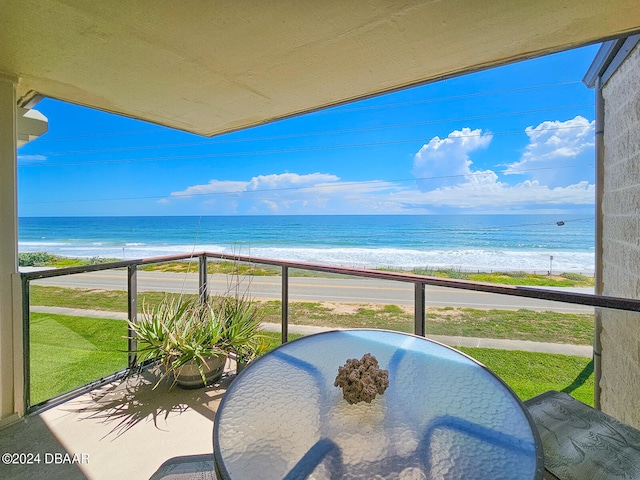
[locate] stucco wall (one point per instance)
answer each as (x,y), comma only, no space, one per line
(621,241)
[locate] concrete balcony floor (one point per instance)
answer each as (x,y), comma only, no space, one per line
(125,430)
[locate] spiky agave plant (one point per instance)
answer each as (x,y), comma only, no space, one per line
(241,326)
(176,332)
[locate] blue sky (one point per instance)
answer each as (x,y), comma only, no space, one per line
(516,139)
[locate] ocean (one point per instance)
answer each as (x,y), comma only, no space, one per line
(465,242)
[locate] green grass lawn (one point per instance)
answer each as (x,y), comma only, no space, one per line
(531,325)
(68,352)
(574,328)
(530,374)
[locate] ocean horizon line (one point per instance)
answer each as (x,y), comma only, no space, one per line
(265,215)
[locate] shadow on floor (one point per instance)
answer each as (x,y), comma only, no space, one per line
(124,426)
(124,405)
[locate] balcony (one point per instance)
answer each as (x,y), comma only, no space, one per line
(128,430)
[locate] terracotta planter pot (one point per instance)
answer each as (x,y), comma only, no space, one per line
(189,376)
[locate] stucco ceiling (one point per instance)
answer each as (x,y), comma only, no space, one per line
(212,66)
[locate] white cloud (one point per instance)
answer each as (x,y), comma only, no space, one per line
(460,187)
(275,193)
(501,196)
(288,180)
(446,161)
(446,182)
(273,182)
(482,191)
(213,187)
(31,158)
(556,144)
(291,193)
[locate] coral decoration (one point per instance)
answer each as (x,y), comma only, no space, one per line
(361,380)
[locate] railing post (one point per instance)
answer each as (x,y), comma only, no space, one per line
(26,342)
(132,309)
(203,287)
(285,304)
(419,310)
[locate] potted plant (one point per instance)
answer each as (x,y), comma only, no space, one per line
(187,338)
(241,332)
(192,340)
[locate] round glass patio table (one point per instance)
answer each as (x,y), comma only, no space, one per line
(443,416)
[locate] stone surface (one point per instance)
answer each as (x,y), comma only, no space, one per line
(361,380)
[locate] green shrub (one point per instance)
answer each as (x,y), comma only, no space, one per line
(394,309)
(100,260)
(35,259)
(516,274)
(429,272)
(578,277)
(453,273)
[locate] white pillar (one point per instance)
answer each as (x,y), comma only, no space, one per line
(10,346)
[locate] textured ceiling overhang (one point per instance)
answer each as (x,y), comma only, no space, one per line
(209,66)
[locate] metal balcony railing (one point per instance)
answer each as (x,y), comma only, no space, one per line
(419,282)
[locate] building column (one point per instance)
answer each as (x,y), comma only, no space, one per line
(10,338)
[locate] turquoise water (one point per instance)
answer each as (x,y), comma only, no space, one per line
(470,242)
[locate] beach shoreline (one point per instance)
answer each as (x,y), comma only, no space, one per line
(541,266)
(467,243)
(191,266)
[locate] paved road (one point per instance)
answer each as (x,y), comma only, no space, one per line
(346,290)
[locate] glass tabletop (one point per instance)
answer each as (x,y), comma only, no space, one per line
(443,415)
